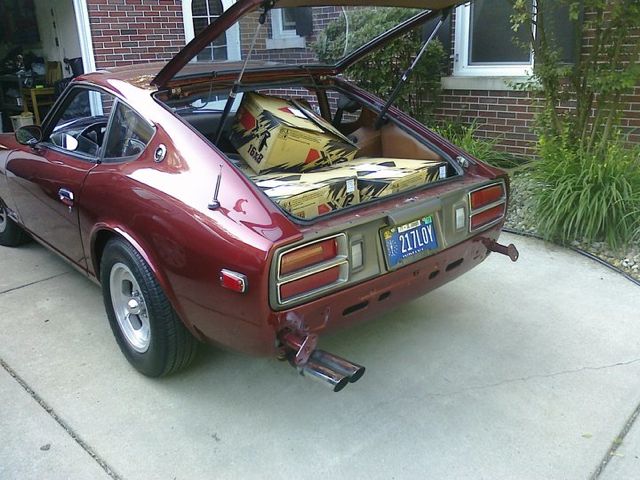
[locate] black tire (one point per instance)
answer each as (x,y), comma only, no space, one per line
(161,345)
(11,235)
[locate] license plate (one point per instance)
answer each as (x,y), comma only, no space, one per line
(409,240)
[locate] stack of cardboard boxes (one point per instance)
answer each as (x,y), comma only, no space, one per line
(307,166)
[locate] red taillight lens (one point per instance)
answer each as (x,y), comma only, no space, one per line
(309,283)
(488,216)
(487,196)
(308,256)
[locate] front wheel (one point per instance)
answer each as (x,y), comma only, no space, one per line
(146,327)
(11,235)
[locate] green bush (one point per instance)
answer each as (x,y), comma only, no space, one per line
(585,196)
(485,149)
(380,71)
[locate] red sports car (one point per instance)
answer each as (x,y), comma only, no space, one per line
(146,180)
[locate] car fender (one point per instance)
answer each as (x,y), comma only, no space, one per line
(145,251)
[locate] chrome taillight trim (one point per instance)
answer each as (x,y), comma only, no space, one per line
(341,260)
(501,201)
(342,278)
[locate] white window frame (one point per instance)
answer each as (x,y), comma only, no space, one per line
(461,67)
(281,38)
(233,33)
(84,35)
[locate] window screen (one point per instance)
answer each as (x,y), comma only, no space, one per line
(491,36)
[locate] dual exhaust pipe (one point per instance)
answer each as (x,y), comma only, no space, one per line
(333,371)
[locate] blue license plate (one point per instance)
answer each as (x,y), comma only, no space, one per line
(409,240)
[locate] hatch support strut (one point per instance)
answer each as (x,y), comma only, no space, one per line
(405,76)
(267,5)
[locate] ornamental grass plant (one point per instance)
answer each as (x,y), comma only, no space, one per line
(485,149)
(589,175)
(585,195)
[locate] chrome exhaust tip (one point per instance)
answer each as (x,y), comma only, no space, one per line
(318,371)
(334,371)
(352,371)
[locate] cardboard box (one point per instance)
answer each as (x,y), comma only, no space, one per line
(273,134)
(378,177)
(308,195)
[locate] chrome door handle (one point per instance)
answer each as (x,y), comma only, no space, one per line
(66,197)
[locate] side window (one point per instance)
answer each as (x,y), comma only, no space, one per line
(128,136)
(80,125)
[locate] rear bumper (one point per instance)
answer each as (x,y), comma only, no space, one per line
(354,304)
(373,297)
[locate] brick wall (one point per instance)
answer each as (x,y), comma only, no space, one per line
(321,17)
(133,31)
(126,32)
(508,116)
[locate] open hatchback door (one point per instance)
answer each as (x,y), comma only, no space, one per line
(289,38)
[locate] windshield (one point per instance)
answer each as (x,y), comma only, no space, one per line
(304,36)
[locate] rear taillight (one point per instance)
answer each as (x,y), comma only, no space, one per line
(488,216)
(486,196)
(488,205)
(310,283)
(312,268)
(308,256)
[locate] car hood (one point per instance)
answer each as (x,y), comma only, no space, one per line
(243,8)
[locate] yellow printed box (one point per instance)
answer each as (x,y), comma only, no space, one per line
(273,134)
(308,195)
(379,177)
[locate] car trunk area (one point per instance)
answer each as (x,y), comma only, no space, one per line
(384,162)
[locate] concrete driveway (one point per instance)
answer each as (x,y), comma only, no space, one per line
(515,371)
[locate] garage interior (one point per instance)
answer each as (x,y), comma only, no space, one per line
(40,51)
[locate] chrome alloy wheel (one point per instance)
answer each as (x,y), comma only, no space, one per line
(4,219)
(129,307)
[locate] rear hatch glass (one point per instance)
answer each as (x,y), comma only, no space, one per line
(297,36)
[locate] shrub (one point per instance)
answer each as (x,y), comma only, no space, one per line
(485,149)
(596,82)
(380,71)
(585,196)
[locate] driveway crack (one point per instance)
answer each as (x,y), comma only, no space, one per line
(47,408)
(34,282)
(536,376)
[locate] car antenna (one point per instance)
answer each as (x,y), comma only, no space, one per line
(267,5)
(215,204)
(405,76)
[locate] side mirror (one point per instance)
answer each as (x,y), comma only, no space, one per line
(29,135)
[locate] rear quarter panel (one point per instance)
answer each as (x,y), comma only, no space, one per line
(161,208)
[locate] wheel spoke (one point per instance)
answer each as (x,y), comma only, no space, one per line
(129,307)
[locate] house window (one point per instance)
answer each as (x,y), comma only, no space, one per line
(288,20)
(197,14)
(484,44)
(203,12)
(283,30)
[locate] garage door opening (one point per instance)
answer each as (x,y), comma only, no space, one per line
(42,45)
